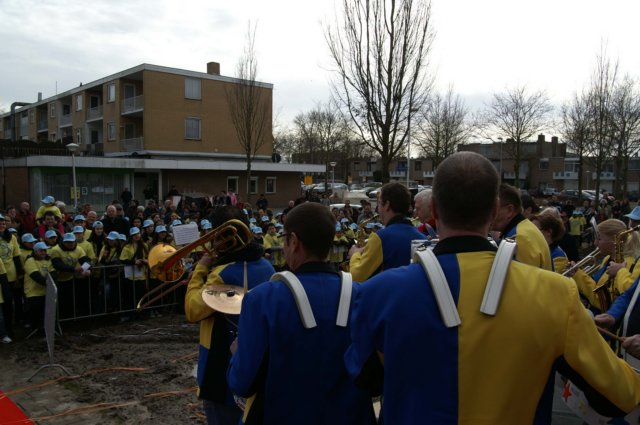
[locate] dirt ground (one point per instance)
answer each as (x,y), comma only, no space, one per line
(157,384)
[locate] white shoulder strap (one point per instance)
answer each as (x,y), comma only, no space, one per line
(299,294)
(345,300)
(440,287)
(497,277)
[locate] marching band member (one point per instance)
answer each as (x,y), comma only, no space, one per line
(461,336)
(216,327)
(295,374)
(532,248)
(390,247)
(552,228)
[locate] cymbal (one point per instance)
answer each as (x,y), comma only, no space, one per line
(223,298)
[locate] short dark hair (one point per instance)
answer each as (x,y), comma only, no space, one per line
(465,189)
(529,202)
(225,213)
(315,227)
(509,195)
(551,222)
(398,196)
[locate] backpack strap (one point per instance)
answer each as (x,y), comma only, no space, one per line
(497,277)
(342,318)
(441,291)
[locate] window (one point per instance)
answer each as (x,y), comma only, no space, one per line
(79,102)
(111,92)
(544,164)
(356,166)
(32,116)
(111,131)
(79,136)
(52,110)
(417,166)
(253,185)
(53,137)
(270,185)
(232,184)
(192,88)
(66,109)
(192,128)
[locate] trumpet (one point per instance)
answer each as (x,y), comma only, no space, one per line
(589,264)
(165,261)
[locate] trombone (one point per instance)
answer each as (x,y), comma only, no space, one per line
(589,264)
(165,261)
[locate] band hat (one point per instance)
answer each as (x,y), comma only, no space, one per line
(338,227)
(48,199)
(147,223)
(265,218)
(79,217)
(134,231)
(98,224)
(635,214)
(122,237)
(78,229)
(69,237)
(252,220)
(50,234)
(113,236)
(12,230)
(344,220)
(203,221)
(370,226)
(354,226)
(161,228)
(176,222)
(28,238)
(207,226)
(279,225)
(257,230)
(40,246)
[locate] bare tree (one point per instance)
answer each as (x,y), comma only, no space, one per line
(380,51)
(444,127)
(625,124)
(249,103)
(518,115)
(577,130)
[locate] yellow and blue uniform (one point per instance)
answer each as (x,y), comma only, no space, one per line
(532,248)
(215,335)
(389,248)
(464,374)
(273,244)
(587,283)
(559,260)
(299,372)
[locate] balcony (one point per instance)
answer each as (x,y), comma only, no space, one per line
(132,105)
(94,113)
(565,175)
(95,149)
(132,145)
(604,176)
(428,174)
(511,175)
(365,173)
(397,174)
(65,121)
(43,125)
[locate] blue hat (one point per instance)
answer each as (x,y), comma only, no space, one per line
(635,214)
(98,224)
(48,199)
(344,220)
(338,227)
(39,246)
(257,230)
(28,238)
(279,225)
(353,226)
(69,237)
(176,222)
(122,237)
(206,226)
(126,218)
(252,220)
(134,231)
(370,225)
(147,223)
(50,234)
(265,218)
(79,217)
(279,213)
(113,236)
(245,211)
(380,225)
(161,228)
(78,229)
(12,230)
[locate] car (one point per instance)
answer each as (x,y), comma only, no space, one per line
(355,186)
(373,194)
(341,206)
(548,191)
(321,188)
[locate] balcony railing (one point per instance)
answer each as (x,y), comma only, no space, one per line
(565,175)
(604,176)
(133,104)
(512,175)
(95,113)
(365,173)
(43,124)
(65,120)
(396,174)
(132,145)
(429,174)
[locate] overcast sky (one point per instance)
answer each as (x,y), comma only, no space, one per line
(481,46)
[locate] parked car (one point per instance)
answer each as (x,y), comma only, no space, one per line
(548,191)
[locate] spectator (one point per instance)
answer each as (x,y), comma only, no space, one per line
(26,218)
(49,222)
(126,197)
(262,203)
(114,222)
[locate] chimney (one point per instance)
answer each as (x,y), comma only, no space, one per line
(554,146)
(213,68)
(541,138)
(39,96)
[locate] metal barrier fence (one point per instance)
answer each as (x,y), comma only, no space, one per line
(107,291)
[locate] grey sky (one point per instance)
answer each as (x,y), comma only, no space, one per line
(481,46)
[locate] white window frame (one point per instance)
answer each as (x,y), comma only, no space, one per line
(186,127)
(266,184)
(111,131)
(32,116)
(52,110)
(79,136)
(253,185)
(53,136)
(79,102)
(111,97)
(193,88)
(237,185)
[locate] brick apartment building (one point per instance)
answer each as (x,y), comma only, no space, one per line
(148,126)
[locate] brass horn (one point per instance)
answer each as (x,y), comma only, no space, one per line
(166,262)
(589,263)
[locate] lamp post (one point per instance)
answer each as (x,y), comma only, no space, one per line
(500,140)
(411,111)
(73,147)
(333,175)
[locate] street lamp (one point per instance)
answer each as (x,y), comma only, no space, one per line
(500,140)
(411,111)
(73,147)
(333,175)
